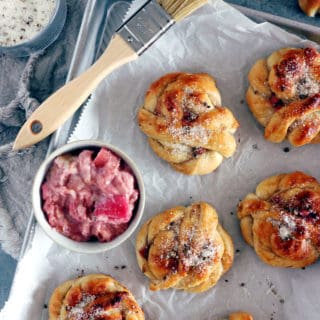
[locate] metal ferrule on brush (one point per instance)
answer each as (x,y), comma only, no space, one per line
(146,26)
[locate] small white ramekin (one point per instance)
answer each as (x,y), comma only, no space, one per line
(85,247)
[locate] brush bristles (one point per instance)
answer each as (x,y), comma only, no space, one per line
(179,9)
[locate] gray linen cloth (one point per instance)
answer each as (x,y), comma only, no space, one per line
(24,83)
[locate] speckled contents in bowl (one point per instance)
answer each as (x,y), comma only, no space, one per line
(21,20)
(90,195)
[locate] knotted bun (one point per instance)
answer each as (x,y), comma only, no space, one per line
(184,248)
(185,123)
(284,95)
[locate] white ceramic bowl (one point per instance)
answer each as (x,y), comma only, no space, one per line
(94,246)
(42,39)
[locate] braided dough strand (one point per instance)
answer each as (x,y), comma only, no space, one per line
(310,7)
(240,316)
(184,248)
(284,95)
(91,297)
(281,221)
(185,123)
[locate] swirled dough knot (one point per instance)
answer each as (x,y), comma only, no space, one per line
(240,316)
(184,248)
(186,124)
(281,221)
(284,95)
(310,7)
(95,296)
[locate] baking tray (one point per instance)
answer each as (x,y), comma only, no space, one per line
(100,20)
(301,29)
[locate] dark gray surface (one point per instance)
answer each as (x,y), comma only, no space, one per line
(284,8)
(8,267)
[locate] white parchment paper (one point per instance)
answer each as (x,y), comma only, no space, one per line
(222,42)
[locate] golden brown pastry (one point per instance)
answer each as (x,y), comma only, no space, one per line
(284,95)
(240,316)
(185,123)
(184,248)
(281,221)
(310,7)
(94,296)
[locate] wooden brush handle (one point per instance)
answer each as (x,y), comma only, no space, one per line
(60,106)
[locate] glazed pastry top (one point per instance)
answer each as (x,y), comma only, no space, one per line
(184,248)
(186,124)
(94,296)
(284,95)
(282,220)
(310,7)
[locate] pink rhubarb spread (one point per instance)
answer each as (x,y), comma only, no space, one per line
(87,197)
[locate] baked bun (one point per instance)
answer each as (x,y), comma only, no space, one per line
(281,221)
(310,7)
(184,248)
(284,95)
(94,296)
(185,123)
(240,316)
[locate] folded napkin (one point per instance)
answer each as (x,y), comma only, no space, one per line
(24,83)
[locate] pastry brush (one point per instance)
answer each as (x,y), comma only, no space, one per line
(133,38)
